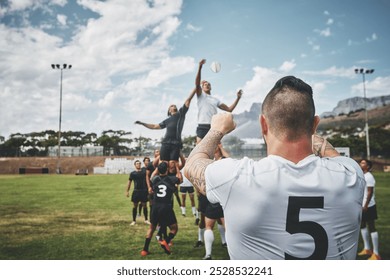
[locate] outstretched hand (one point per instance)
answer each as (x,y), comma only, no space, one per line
(137,122)
(203,61)
(239,93)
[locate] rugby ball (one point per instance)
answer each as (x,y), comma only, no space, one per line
(215,66)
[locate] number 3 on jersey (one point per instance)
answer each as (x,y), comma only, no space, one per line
(162,191)
(315,230)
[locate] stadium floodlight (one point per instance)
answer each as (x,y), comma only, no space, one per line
(364,72)
(57,66)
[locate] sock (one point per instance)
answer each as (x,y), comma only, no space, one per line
(170,237)
(139,209)
(366,238)
(221,229)
(193,211)
(200,234)
(146,213)
(183,210)
(134,213)
(375,242)
(146,245)
(162,232)
(208,241)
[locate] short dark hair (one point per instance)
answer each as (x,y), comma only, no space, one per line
(135,162)
(289,108)
(162,167)
(145,158)
(369,163)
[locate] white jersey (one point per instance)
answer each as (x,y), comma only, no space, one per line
(370,182)
(207,107)
(275,209)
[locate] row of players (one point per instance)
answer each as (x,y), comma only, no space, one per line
(157,184)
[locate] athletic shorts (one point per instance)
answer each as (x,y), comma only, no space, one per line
(139,196)
(169,152)
(202,203)
(186,189)
(202,130)
(214,211)
(370,215)
(163,215)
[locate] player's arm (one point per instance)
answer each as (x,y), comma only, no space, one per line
(370,191)
(198,87)
(322,148)
(182,161)
(188,100)
(203,153)
(148,183)
(178,175)
(128,188)
(230,108)
(149,125)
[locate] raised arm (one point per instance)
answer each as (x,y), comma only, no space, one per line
(148,125)
(198,86)
(188,100)
(230,108)
(203,153)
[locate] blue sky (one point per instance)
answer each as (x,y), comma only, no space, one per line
(132,59)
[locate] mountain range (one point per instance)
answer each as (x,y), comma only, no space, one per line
(348,112)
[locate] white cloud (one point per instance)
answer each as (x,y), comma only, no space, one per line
(373,37)
(193,28)
(334,72)
(324,33)
(62,19)
(374,87)
(330,21)
(287,66)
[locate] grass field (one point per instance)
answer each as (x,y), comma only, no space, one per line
(67,217)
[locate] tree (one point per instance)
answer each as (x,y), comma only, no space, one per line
(113,142)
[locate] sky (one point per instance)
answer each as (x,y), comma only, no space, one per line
(131,59)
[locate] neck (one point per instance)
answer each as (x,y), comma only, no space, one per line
(292,151)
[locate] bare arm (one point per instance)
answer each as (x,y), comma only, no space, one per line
(198,87)
(322,148)
(188,100)
(201,156)
(370,191)
(149,125)
(230,108)
(128,188)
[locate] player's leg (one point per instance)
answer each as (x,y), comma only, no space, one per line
(183,200)
(221,229)
(148,238)
(365,236)
(135,207)
(192,199)
(208,237)
(372,216)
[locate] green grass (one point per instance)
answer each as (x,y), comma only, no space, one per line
(51,217)
(67,217)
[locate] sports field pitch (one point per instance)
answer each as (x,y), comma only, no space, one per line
(68,217)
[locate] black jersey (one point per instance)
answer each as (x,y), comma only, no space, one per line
(163,188)
(174,125)
(139,179)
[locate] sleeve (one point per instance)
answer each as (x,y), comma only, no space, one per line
(370,181)
(183,110)
(163,124)
(131,177)
(220,176)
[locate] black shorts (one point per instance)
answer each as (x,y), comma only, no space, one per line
(139,196)
(370,215)
(202,130)
(169,152)
(186,189)
(202,203)
(214,211)
(163,214)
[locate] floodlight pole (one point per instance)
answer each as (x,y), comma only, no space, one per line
(61,68)
(364,72)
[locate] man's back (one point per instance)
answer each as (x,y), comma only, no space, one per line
(275,209)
